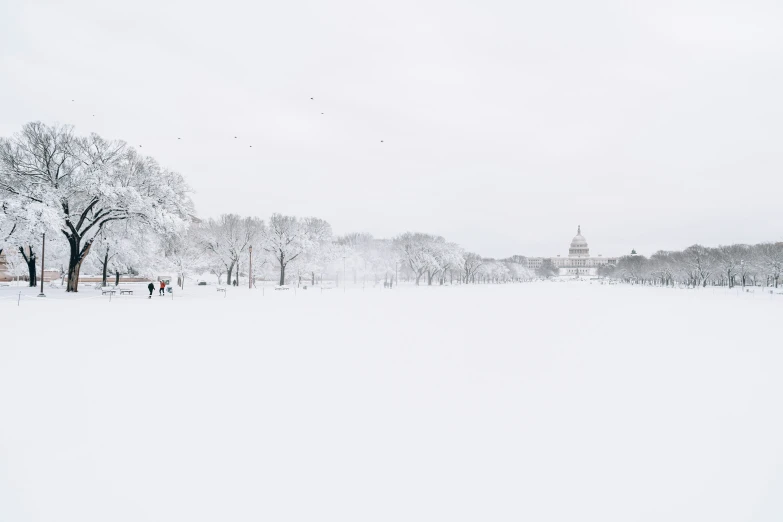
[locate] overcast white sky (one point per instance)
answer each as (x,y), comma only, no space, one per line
(505,124)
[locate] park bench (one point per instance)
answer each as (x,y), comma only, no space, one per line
(108,290)
(221,289)
(283,287)
(126,291)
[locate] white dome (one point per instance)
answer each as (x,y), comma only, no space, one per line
(579,242)
(579,246)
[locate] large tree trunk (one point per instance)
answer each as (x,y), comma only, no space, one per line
(74,266)
(230,269)
(418,278)
(282,274)
(117,278)
(105,281)
(30,266)
(75,262)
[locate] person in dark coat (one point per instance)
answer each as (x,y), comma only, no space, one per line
(151,288)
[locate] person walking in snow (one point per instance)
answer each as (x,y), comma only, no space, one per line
(151,288)
(162,287)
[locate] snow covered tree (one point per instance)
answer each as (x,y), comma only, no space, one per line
(770,258)
(228,238)
(448,256)
(729,259)
(91,182)
(470,265)
(319,249)
(547,269)
(123,247)
(286,238)
(701,262)
(632,267)
(185,252)
(22,225)
(416,252)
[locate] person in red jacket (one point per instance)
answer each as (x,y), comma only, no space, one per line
(162,287)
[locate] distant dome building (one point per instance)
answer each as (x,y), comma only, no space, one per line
(579,246)
(578,263)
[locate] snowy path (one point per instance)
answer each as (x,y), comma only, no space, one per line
(541,402)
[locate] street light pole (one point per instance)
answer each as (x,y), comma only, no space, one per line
(43,258)
(250,273)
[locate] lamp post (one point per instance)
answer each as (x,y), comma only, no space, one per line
(43,258)
(250,272)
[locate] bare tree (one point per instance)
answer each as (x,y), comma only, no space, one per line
(729,260)
(770,258)
(286,238)
(228,238)
(701,262)
(471,264)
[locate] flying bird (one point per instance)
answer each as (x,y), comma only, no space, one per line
(311,98)
(381,141)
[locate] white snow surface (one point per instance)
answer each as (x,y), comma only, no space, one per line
(538,402)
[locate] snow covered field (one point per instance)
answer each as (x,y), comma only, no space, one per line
(540,402)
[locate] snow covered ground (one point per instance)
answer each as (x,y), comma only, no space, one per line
(540,402)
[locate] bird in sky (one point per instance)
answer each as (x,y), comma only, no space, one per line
(311,98)
(381,141)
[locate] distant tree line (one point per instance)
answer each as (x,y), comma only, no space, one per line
(700,266)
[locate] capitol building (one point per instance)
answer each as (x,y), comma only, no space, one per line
(578,263)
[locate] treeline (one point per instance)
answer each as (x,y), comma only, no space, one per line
(102,207)
(700,266)
(293,250)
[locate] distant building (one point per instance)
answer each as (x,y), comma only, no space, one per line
(578,262)
(5,272)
